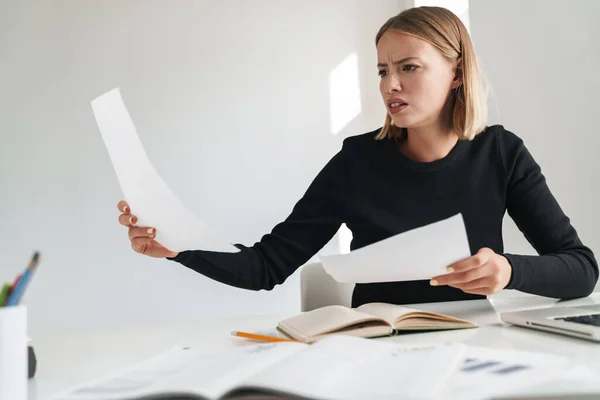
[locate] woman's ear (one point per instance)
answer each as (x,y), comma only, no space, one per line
(458,73)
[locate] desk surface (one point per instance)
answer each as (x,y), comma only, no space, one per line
(68,359)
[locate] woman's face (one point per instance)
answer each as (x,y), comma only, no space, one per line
(416,80)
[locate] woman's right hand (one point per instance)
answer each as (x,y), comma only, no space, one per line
(142,238)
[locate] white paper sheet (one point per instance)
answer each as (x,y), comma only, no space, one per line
(149,197)
(489,372)
(421,253)
(183,372)
(352,368)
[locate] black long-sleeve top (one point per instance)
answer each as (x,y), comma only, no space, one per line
(379,192)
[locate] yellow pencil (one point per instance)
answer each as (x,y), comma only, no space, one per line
(262,338)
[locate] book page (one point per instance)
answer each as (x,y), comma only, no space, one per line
(421,253)
(149,197)
(391,312)
(344,367)
(409,318)
(184,371)
(327,319)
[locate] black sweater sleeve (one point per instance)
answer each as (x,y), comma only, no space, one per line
(564,268)
(314,220)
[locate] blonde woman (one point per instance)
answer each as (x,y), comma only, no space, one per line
(434,157)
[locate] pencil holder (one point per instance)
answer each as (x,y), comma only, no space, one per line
(13,353)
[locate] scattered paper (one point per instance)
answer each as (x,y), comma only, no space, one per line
(149,197)
(488,372)
(421,253)
(337,367)
(340,367)
(353,368)
(182,372)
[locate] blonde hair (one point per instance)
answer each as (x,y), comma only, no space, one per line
(444,30)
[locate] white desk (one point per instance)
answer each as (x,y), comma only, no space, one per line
(65,360)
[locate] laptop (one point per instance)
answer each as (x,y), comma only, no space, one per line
(578,321)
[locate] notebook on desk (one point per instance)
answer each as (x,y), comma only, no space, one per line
(368,320)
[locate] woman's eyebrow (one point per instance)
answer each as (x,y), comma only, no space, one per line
(405,59)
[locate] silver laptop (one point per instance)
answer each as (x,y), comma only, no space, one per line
(578,321)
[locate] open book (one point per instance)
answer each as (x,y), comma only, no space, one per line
(368,320)
(337,367)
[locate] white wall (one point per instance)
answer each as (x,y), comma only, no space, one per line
(232,102)
(542,57)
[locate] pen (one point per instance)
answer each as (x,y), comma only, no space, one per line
(262,338)
(12,287)
(17,293)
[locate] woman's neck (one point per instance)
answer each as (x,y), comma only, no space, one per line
(431,142)
(428,144)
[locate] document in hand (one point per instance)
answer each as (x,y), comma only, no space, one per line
(368,320)
(338,367)
(149,197)
(421,253)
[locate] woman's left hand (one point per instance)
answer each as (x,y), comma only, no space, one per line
(484,273)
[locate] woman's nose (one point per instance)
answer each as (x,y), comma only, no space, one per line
(392,84)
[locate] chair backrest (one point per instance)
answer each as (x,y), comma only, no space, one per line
(319,289)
